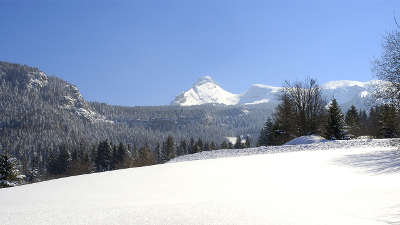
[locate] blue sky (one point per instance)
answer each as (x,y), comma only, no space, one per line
(145,52)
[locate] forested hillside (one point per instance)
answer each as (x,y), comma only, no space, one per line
(38,114)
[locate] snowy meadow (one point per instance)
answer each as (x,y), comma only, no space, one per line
(335,182)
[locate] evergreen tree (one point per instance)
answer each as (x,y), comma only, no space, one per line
(9,174)
(224,145)
(157,153)
(145,157)
(121,157)
(248,142)
(353,121)
(206,146)
(265,133)
(191,146)
(335,125)
(59,163)
(373,122)
(388,122)
(238,143)
(171,150)
(213,146)
(183,147)
(103,158)
(196,148)
(363,122)
(200,145)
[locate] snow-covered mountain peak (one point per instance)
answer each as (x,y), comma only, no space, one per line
(343,83)
(206,91)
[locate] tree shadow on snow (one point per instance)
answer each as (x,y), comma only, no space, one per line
(383,162)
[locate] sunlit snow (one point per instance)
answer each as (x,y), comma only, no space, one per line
(337,182)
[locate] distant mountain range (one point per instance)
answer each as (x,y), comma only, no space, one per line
(207,91)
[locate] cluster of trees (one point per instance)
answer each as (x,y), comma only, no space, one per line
(303,112)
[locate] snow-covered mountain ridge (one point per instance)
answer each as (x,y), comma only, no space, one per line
(207,91)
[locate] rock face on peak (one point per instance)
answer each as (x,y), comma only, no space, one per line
(31,82)
(206,91)
(22,76)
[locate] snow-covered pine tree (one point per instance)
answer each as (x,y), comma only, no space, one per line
(9,173)
(335,125)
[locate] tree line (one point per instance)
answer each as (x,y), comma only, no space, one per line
(70,160)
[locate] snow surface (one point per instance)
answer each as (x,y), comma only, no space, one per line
(338,182)
(306,140)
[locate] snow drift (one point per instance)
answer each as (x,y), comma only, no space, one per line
(310,139)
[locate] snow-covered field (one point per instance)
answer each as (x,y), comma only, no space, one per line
(339,182)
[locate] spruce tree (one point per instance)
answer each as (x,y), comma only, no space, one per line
(286,123)
(363,122)
(103,158)
(265,133)
(335,124)
(59,163)
(9,174)
(388,124)
(353,121)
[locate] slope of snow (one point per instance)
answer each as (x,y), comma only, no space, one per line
(306,140)
(349,182)
(205,91)
(258,94)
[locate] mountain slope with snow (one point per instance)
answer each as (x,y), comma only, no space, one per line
(339,182)
(206,91)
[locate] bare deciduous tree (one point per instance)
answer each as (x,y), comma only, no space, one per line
(308,103)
